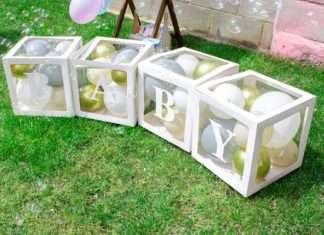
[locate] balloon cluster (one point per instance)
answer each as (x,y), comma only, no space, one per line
(41,86)
(278,144)
(85,11)
(188,66)
(102,89)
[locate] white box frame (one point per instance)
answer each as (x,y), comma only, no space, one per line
(147,67)
(80,59)
(62,60)
(246,185)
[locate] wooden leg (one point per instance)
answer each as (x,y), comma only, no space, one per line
(175,23)
(137,21)
(121,18)
(159,18)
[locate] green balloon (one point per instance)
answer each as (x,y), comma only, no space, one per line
(20,70)
(250,95)
(204,67)
(263,164)
(90,100)
(119,77)
(103,50)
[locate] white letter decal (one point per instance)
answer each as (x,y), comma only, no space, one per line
(160,106)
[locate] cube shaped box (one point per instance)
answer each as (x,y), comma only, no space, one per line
(166,82)
(104,79)
(38,75)
(250,130)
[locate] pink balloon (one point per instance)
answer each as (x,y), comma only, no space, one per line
(84,11)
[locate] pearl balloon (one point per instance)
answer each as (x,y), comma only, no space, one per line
(263,164)
(229,93)
(170,65)
(188,63)
(250,95)
(57,100)
(209,143)
(285,156)
(37,47)
(20,70)
(115,99)
(33,91)
(62,47)
(204,67)
(90,99)
(54,74)
(283,131)
(151,83)
(177,127)
(103,50)
(241,133)
(99,75)
(180,97)
(125,56)
(84,11)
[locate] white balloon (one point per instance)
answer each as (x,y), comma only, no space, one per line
(180,97)
(125,56)
(33,91)
(62,47)
(283,131)
(188,63)
(231,94)
(99,74)
(37,47)
(115,99)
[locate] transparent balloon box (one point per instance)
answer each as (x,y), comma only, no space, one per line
(166,83)
(38,76)
(104,79)
(250,130)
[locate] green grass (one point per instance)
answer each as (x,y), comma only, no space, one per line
(78,176)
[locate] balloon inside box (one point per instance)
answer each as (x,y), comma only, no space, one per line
(104,75)
(165,91)
(37,71)
(250,130)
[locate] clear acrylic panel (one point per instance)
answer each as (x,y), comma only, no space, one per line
(165,106)
(41,47)
(103,91)
(189,65)
(39,87)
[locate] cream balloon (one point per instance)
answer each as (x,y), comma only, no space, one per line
(115,99)
(241,133)
(188,62)
(177,127)
(57,100)
(283,131)
(96,75)
(229,93)
(180,97)
(285,156)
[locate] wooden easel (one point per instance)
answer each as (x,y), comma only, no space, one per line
(137,22)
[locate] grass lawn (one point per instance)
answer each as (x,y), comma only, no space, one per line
(78,176)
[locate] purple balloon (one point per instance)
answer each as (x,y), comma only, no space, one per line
(84,11)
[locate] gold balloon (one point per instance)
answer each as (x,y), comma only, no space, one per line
(177,127)
(20,70)
(285,156)
(103,50)
(204,67)
(119,77)
(263,164)
(250,95)
(90,99)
